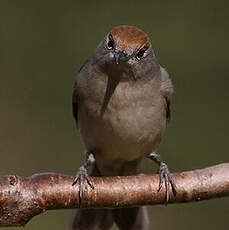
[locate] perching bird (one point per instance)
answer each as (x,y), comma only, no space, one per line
(121,104)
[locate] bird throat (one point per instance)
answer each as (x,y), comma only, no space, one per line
(113,80)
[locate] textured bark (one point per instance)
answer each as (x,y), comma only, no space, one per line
(23,198)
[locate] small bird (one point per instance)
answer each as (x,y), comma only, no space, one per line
(121,104)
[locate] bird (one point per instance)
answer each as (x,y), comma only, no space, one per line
(121,104)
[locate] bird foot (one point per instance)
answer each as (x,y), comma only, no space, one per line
(81,179)
(165,176)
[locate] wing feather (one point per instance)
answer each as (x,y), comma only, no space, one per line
(167,91)
(75,96)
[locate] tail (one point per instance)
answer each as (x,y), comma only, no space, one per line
(103,219)
(131,218)
(92,219)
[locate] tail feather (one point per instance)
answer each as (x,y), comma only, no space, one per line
(92,219)
(131,218)
(103,219)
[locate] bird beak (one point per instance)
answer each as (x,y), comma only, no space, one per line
(119,56)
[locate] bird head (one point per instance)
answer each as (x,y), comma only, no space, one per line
(126,46)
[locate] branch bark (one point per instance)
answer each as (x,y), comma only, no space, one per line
(23,198)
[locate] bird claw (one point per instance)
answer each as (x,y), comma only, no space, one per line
(165,176)
(81,179)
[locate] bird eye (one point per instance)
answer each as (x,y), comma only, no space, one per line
(110,43)
(141,53)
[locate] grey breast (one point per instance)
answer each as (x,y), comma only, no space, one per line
(131,124)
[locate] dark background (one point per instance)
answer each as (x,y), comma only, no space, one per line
(44,43)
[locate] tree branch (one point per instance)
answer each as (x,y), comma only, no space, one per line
(23,198)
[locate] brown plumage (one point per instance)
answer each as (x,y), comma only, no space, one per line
(130,37)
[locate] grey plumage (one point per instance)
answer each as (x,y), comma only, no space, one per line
(121,111)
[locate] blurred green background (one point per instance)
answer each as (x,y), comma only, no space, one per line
(44,43)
